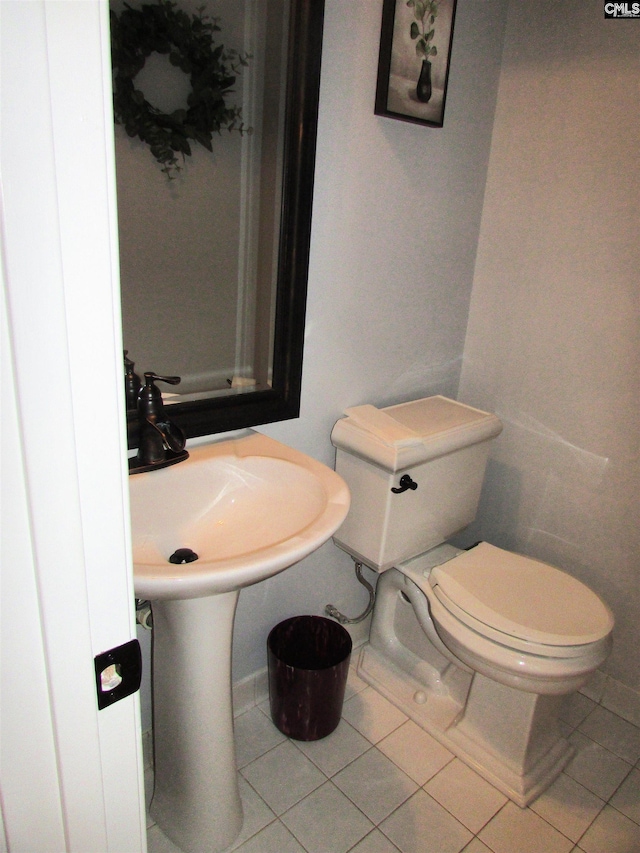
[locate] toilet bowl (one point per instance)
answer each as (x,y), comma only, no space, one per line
(479,647)
(521,622)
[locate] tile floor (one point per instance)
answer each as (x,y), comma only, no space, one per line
(380,784)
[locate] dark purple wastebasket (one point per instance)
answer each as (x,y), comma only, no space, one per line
(308,665)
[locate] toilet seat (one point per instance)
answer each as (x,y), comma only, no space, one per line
(508,640)
(556,661)
(546,611)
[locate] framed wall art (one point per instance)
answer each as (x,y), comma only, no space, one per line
(413,68)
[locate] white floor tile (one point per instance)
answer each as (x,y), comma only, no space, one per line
(469,797)
(415,752)
(335,751)
(611,832)
(476,846)
(627,798)
(614,733)
(566,730)
(516,830)
(274,838)
(593,766)
(327,822)
(378,757)
(596,686)
(372,715)
(255,734)
(576,708)
(568,806)
(375,785)
(421,825)
(622,701)
(375,842)
(256,816)
(283,776)
(157,842)
(255,811)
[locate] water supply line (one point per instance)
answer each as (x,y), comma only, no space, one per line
(144,616)
(332,611)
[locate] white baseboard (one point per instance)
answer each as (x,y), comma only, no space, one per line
(250,691)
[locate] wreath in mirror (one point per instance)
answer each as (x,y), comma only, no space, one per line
(189,42)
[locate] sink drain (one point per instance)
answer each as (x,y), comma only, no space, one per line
(183,555)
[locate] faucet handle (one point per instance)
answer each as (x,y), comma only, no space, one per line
(153,377)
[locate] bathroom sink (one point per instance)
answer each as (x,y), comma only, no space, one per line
(248,507)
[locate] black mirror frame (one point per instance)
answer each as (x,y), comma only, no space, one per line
(282,400)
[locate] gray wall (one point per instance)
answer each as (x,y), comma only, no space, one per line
(553,345)
(396,220)
(551,303)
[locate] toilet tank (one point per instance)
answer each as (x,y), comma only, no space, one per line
(442,445)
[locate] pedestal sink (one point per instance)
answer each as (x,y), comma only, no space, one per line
(248,507)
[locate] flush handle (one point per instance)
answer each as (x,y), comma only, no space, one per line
(405,483)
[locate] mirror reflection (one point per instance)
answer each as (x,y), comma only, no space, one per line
(196,251)
(214,258)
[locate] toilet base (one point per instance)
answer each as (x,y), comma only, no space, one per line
(518,750)
(508,735)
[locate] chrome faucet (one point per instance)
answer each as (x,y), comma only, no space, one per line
(161,442)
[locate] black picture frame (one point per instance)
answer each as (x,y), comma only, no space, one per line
(412,87)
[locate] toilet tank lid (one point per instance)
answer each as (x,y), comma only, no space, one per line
(407,434)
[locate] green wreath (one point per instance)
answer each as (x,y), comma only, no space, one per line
(162,28)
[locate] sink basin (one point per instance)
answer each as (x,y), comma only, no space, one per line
(248,507)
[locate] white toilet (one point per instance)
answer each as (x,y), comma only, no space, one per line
(479,647)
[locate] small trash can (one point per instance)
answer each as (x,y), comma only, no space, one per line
(308,666)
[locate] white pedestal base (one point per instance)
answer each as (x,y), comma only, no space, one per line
(196,801)
(516,747)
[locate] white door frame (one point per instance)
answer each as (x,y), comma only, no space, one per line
(72,776)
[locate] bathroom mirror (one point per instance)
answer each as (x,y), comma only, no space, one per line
(269,389)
